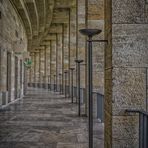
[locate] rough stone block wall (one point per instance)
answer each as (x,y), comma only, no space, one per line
(95,20)
(81,39)
(13,40)
(125,70)
(66,50)
(53,61)
(37,67)
(42,65)
(48,63)
(73,40)
(59,56)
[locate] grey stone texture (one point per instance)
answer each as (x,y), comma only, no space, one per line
(95,19)
(125,70)
(13,42)
(121,65)
(45,119)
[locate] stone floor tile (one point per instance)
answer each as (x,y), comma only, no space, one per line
(43,119)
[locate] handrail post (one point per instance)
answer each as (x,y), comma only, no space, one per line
(90,33)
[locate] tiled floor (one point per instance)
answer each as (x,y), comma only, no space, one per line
(45,120)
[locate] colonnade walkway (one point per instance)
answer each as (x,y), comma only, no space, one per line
(44,119)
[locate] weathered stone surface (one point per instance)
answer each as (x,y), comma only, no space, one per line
(125,70)
(129,12)
(96,10)
(128,85)
(13,43)
(130,45)
(46,119)
(95,20)
(125,126)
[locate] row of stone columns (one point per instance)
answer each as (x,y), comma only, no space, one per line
(73,46)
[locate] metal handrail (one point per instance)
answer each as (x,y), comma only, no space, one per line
(143,127)
(137,111)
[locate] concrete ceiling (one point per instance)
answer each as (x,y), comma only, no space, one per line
(42,17)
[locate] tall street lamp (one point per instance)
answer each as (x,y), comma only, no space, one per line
(65,72)
(90,33)
(60,82)
(54,83)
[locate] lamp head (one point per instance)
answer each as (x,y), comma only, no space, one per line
(71,68)
(90,32)
(79,61)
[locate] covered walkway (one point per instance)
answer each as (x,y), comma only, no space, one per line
(94,52)
(44,119)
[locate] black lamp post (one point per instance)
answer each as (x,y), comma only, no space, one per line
(48,81)
(66,72)
(60,82)
(54,83)
(78,85)
(90,33)
(72,69)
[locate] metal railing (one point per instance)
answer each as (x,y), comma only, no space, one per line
(143,127)
(99,106)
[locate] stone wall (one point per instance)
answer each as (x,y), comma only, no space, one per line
(81,50)
(125,70)
(95,20)
(12,40)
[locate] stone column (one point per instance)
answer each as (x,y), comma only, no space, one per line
(73,39)
(66,51)
(42,66)
(18,78)
(3,77)
(50,64)
(25,78)
(32,69)
(63,58)
(57,64)
(3,72)
(59,55)
(35,67)
(126,28)
(69,47)
(53,60)
(81,42)
(95,19)
(45,66)
(12,76)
